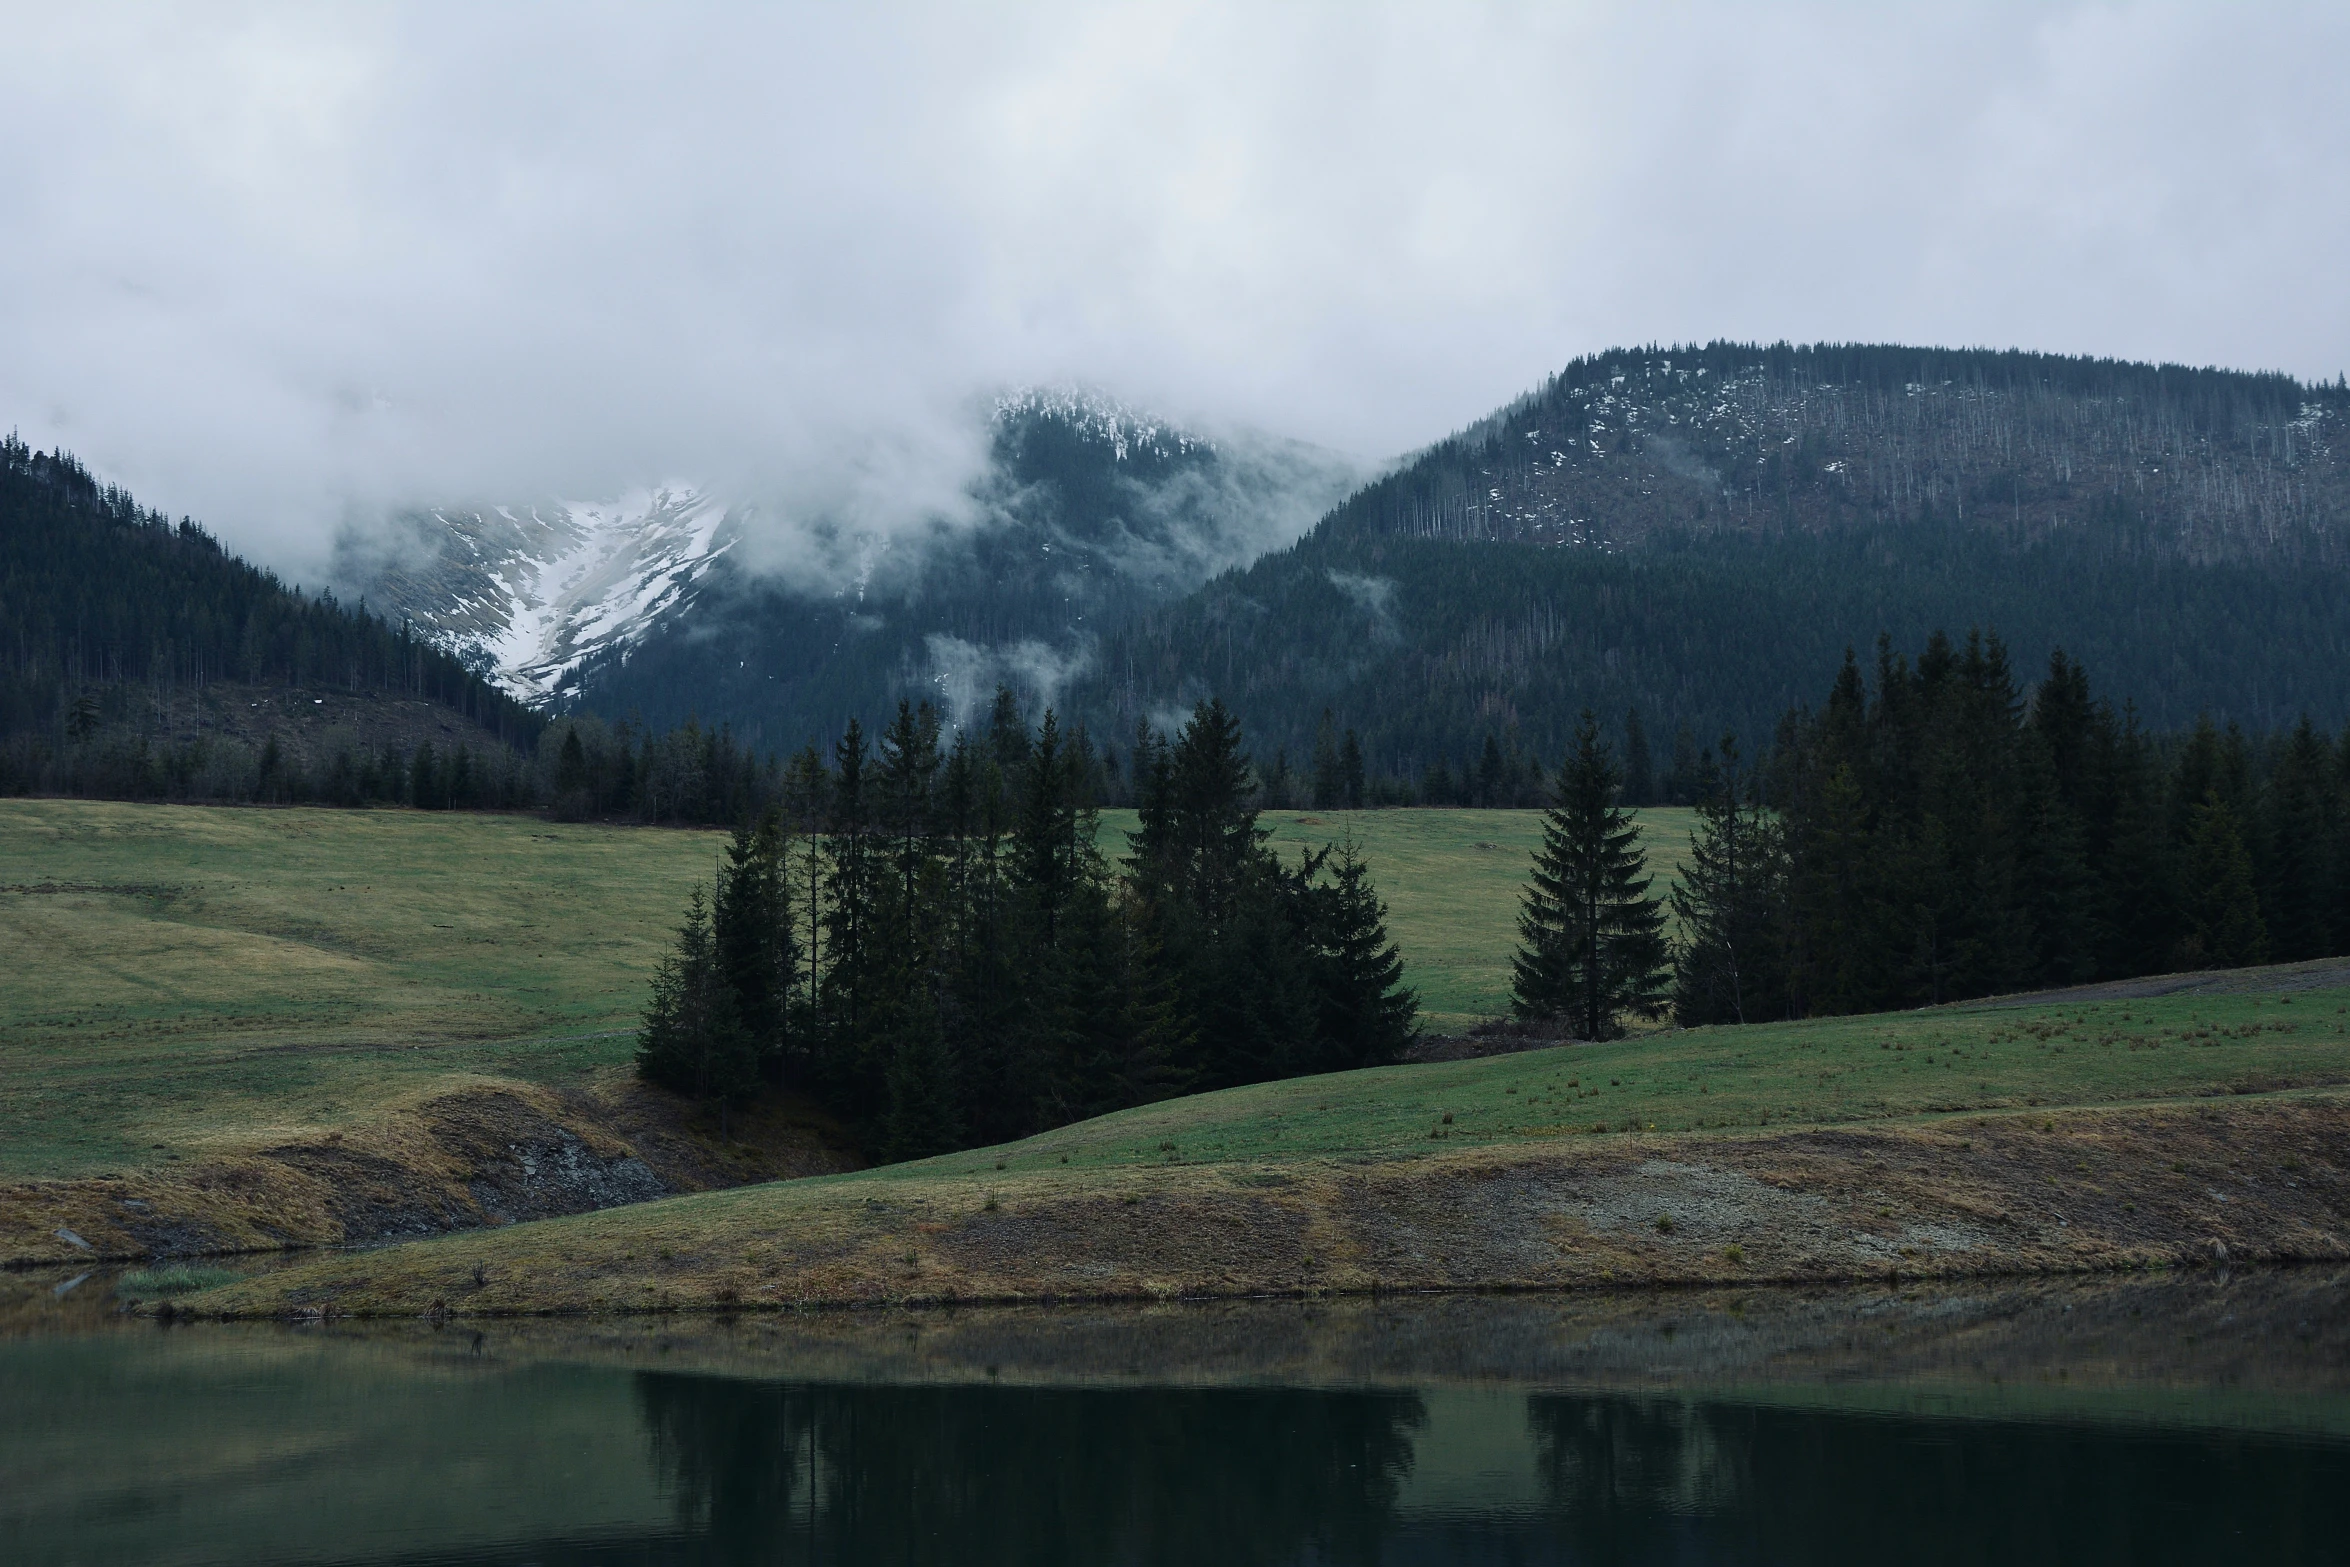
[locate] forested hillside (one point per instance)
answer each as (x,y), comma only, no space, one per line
(1690,533)
(125,640)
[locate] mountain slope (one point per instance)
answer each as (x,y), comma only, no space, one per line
(1088,512)
(121,632)
(1698,534)
(527,598)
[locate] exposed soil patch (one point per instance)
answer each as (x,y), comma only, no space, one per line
(477,1157)
(2084,1190)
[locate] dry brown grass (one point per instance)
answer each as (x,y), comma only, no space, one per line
(2114,1188)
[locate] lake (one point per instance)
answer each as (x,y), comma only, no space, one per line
(2173,1418)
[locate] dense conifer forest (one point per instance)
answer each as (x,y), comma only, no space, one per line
(928,939)
(116,622)
(1932,832)
(1689,534)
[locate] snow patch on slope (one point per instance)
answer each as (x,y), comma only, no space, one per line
(528,594)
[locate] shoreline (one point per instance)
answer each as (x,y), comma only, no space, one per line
(2038,1193)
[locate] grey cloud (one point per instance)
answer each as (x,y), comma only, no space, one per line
(966,675)
(286,266)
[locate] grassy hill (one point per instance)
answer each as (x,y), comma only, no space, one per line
(2138,1125)
(192,980)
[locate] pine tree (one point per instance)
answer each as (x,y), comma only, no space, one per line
(2300,837)
(1492,774)
(571,771)
(925,1113)
(1350,770)
(751,930)
(1368,1016)
(1329,779)
(1592,943)
(692,1041)
(1730,965)
(1639,766)
(2224,928)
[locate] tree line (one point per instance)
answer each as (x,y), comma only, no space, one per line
(98,594)
(926,937)
(1933,834)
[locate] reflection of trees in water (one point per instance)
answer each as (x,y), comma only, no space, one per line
(1633,1479)
(917,1475)
(1613,1464)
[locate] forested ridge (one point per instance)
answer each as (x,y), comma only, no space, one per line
(115,622)
(1690,533)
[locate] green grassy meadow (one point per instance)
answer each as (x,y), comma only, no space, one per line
(196,977)
(1995,1056)
(192,978)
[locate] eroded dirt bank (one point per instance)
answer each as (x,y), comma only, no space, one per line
(2255,1179)
(476,1157)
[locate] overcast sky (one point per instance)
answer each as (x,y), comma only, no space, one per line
(279,266)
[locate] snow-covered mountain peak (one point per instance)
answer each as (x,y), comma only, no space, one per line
(529,593)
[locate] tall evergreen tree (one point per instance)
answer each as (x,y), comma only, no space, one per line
(751,931)
(2224,927)
(1730,965)
(1329,778)
(1591,940)
(2300,834)
(1368,1015)
(692,1040)
(1639,765)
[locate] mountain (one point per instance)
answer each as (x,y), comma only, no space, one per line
(137,657)
(527,597)
(1086,513)
(1698,534)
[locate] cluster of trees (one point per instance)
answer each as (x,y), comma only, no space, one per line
(98,594)
(927,938)
(1701,632)
(1932,835)
(96,762)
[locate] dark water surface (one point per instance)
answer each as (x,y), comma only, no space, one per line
(2195,1419)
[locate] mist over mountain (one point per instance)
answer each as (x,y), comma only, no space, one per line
(1698,534)
(1695,534)
(675,602)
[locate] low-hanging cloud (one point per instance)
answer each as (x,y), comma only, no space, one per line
(285,266)
(967,676)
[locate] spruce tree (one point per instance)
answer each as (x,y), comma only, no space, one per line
(1592,943)
(1350,770)
(2300,835)
(1730,964)
(751,930)
(1368,1016)
(925,1114)
(571,772)
(692,1042)
(1639,766)
(2224,927)
(1329,780)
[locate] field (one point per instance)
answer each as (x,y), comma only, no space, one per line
(189,980)
(2117,1130)
(191,977)
(310,992)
